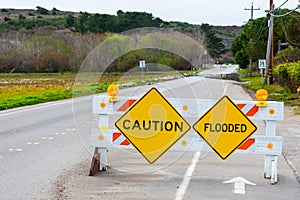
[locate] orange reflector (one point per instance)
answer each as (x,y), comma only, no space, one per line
(100,137)
(183,142)
(272,111)
(270,145)
(102,104)
(185,107)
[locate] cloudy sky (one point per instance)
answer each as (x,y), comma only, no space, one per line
(214,12)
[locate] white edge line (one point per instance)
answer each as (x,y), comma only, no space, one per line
(38,106)
(187,177)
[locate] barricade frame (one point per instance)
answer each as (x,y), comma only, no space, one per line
(269,144)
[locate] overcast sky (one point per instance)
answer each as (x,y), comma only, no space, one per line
(214,12)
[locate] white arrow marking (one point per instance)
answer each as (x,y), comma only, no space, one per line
(239,184)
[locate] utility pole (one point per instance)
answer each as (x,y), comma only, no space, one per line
(270,48)
(272,8)
(251,9)
(269,55)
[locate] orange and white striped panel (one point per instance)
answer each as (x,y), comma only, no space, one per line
(248,143)
(126,105)
(119,139)
(249,109)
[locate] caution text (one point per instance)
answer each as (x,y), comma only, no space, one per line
(154,125)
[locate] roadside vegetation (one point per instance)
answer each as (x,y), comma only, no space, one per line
(251,45)
(41,50)
(282,90)
(21,89)
(47,41)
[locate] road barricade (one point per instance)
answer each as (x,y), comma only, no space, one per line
(269,144)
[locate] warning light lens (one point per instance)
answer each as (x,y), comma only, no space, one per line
(113,90)
(262,95)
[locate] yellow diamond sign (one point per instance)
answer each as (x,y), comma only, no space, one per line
(152,125)
(224,127)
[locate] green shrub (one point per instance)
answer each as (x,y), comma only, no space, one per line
(288,75)
(290,54)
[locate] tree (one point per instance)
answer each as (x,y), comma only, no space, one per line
(252,43)
(290,54)
(81,25)
(21,17)
(6,19)
(71,20)
(214,44)
(131,20)
(47,54)
(42,11)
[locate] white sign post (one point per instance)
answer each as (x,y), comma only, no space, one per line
(262,66)
(142,66)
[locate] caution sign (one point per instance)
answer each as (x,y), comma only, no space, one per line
(152,125)
(224,127)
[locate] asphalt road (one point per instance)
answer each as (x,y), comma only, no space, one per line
(37,144)
(50,143)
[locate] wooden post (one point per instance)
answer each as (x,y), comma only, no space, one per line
(95,165)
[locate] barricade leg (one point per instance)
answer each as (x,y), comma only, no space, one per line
(99,161)
(274,171)
(270,131)
(103,159)
(268,166)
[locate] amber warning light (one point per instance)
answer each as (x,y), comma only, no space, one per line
(262,96)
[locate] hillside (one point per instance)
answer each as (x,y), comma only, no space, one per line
(228,35)
(78,33)
(14,14)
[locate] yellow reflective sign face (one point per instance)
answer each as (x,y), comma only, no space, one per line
(224,127)
(152,125)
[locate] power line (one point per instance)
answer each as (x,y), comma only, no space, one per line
(260,32)
(283,4)
(283,15)
(287,37)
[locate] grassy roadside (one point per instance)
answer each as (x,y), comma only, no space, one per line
(31,88)
(276,92)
